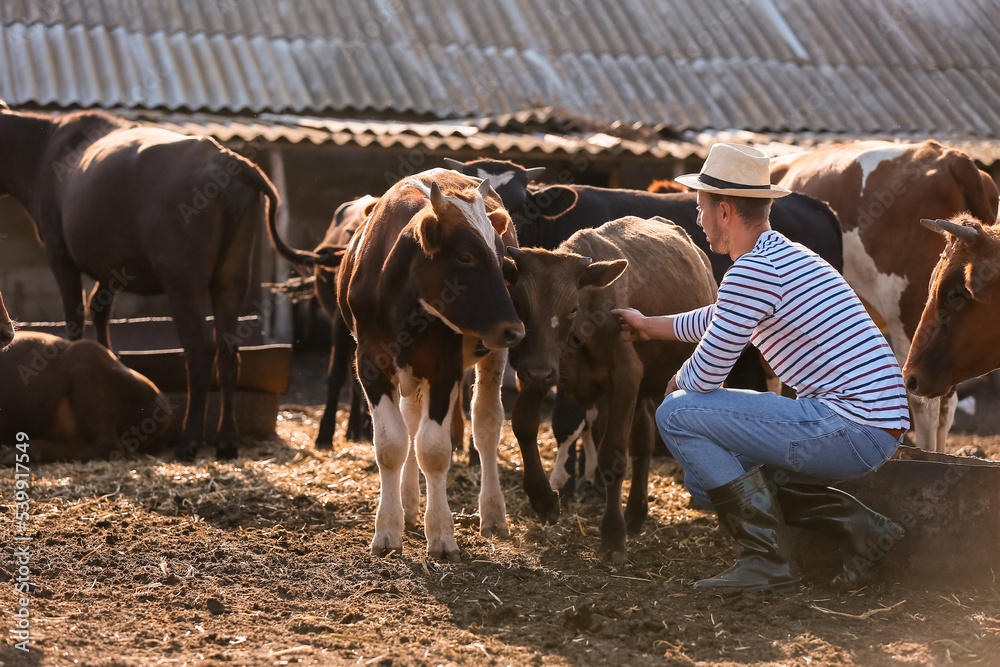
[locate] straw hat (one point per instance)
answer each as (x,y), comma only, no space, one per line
(734,169)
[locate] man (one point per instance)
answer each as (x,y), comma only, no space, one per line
(850,412)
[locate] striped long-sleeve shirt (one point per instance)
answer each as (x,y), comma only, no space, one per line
(810,326)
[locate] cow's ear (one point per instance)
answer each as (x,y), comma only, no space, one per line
(602,274)
(427,231)
(554,200)
(454,164)
(499,218)
(509,267)
(368,207)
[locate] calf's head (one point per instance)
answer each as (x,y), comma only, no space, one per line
(459,275)
(550,296)
(956,338)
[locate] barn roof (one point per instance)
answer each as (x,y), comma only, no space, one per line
(778,67)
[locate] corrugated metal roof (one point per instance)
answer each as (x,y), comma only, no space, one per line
(866,66)
(526,132)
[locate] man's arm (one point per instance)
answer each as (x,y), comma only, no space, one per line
(636,326)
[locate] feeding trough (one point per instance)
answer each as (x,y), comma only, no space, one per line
(150,346)
(950,509)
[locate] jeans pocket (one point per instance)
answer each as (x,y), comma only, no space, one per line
(829,456)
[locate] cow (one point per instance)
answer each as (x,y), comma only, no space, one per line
(348,218)
(6,326)
(75,401)
(565,297)
(148,211)
(956,338)
(549,215)
(880,191)
(423,289)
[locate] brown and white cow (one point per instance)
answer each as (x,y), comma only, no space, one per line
(880,191)
(572,339)
(76,401)
(958,338)
(423,289)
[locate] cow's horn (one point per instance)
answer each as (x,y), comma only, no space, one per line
(485,187)
(514,252)
(453,164)
(437,198)
(534,173)
(967,234)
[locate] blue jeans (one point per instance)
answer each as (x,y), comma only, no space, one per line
(717,436)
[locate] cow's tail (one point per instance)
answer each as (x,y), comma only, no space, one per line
(253,176)
(980,198)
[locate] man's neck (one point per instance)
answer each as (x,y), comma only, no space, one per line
(745,239)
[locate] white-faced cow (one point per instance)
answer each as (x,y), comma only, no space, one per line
(565,298)
(75,401)
(880,191)
(957,338)
(147,211)
(423,289)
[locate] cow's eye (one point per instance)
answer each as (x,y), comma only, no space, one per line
(573,312)
(464,258)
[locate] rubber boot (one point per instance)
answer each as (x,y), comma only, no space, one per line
(748,509)
(865,536)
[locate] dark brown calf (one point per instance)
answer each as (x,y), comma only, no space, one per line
(75,401)
(572,340)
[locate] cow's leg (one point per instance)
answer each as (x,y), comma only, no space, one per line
(946,417)
(524,421)
(567,426)
(225,306)
(617,408)
(589,448)
(433,448)
(391,444)
(487,420)
(411,408)
(640,452)
(67,276)
(100,304)
(340,362)
(195,334)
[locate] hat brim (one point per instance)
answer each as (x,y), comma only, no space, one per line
(773,191)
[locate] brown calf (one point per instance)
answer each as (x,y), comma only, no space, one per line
(76,401)
(572,340)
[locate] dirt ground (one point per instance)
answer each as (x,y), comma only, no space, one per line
(265,561)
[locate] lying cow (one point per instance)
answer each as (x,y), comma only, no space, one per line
(880,191)
(571,338)
(957,336)
(147,211)
(75,402)
(423,290)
